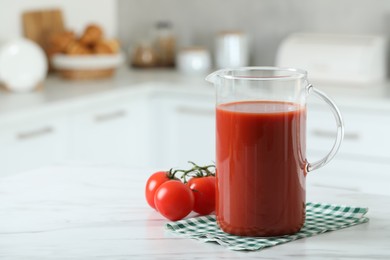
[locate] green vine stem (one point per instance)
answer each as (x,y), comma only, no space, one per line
(195,172)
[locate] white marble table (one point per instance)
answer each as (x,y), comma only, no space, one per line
(99,212)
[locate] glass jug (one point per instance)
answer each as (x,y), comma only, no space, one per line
(261,149)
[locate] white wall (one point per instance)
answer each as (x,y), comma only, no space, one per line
(267,22)
(76,13)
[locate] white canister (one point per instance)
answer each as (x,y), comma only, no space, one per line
(193,61)
(231,49)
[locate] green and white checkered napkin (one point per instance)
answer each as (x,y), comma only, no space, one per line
(320,218)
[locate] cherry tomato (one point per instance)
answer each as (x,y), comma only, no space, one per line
(174,200)
(153,183)
(204,194)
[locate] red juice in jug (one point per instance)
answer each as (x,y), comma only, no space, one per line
(261,161)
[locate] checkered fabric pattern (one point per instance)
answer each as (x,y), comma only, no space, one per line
(320,218)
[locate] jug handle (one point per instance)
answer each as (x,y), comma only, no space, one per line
(340,129)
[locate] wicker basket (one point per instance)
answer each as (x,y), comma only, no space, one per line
(86,74)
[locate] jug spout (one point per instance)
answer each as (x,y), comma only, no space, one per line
(212,78)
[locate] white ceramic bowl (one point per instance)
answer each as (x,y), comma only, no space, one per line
(87,62)
(23,65)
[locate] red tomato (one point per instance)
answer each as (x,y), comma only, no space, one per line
(174,200)
(204,194)
(153,183)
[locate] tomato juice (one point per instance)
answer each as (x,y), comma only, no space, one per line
(261,167)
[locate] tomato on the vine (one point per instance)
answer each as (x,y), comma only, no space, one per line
(153,183)
(203,189)
(174,200)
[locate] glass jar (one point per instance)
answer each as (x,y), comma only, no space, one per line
(165,44)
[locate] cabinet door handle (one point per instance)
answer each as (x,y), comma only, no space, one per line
(35,133)
(109,116)
(330,134)
(195,111)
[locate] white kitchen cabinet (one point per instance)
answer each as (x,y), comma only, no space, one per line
(361,176)
(31,142)
(108,128)
(162,126)
(184,128)
(365,133)
(111,130)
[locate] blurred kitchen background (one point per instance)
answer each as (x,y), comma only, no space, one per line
(266,22)
(145,111)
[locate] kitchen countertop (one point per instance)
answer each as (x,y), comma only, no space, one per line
(58,92)
(76,211)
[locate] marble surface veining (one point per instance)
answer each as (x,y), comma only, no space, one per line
(86,212)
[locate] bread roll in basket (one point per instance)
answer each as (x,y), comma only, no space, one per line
(90,56)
